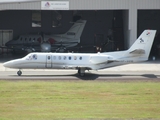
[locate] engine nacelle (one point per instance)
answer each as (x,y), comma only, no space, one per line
(45,47)
(97,59)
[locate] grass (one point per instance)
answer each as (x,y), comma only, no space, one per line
(38,100)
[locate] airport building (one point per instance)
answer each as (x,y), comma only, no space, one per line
(111,24)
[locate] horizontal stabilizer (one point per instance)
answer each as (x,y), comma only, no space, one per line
(137,51)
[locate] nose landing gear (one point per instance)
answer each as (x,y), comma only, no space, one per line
(19,73)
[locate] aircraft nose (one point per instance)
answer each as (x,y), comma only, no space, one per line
(13,63)
(8,64)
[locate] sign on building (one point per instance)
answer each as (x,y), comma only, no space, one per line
(55,5)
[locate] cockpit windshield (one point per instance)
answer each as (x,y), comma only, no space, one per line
(31,57)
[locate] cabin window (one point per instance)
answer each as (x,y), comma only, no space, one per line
(59,57)
(75,58)
(49,57)
(80,58)
(70,58)
(34,56)
(64,57)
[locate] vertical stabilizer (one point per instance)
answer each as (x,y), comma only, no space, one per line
(143,44)
(76,30)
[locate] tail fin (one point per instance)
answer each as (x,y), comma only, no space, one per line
(143,44)
(76,30)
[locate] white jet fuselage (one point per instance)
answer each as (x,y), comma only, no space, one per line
(68,61)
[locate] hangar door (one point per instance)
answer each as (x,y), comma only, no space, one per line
(5,36)
(149,19)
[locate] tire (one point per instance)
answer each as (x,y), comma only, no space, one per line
(19,73)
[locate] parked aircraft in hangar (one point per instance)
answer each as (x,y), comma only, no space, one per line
(48,43)
(138,52)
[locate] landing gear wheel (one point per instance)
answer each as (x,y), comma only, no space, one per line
(19,73)
(81,72)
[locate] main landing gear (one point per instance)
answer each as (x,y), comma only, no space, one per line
(19,73)
(81,72)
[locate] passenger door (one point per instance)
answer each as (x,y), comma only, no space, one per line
(48,61)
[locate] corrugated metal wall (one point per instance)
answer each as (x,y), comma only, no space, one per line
(21,6)
(98,4)
(90,4)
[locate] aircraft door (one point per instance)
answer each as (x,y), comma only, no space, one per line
(48,61)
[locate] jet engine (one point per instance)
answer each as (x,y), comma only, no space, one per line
(45,47)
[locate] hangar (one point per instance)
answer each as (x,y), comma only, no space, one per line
(120,20)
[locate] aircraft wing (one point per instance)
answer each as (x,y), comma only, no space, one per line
(102,59)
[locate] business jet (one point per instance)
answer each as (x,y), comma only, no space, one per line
(138,52)
(48,43)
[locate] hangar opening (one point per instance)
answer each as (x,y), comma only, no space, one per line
(149,19)
(104,30)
